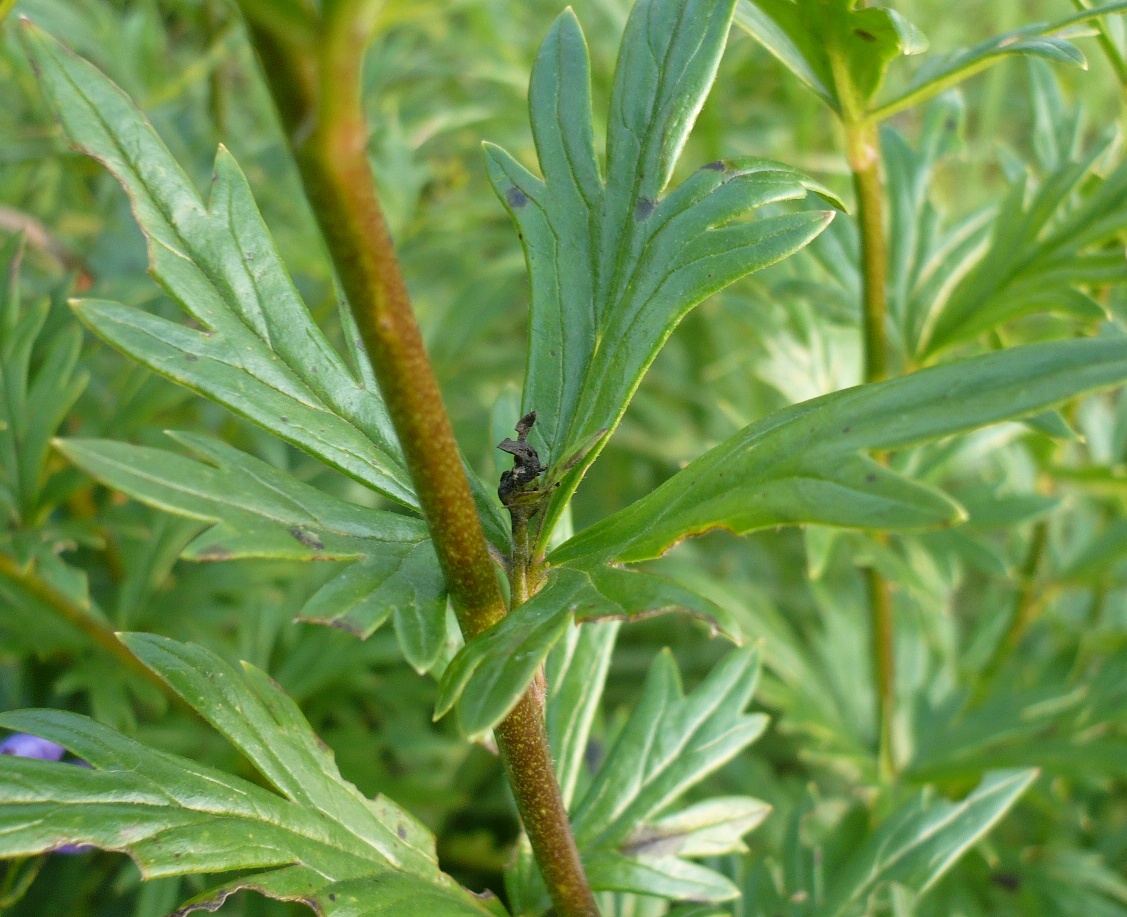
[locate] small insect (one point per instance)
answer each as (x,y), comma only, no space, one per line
(526,461)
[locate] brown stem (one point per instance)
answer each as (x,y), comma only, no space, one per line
(316,86)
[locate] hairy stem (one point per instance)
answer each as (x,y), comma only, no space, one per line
(863,149)
(316,86)
(519,588)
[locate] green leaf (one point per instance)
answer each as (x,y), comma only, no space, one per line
(614,265)
(259,511)
(670,743)
(321,841)
(927,253)
(259,352)
(1044,39)
(710,828)
(387,894)
(1100,557)
(230,365)
(664,877)
(576,673)
(491,672)
(804,464)
(921,841)
(39,384)
(779,26)
(828,42)
(628,838)
(255,348)
(1048,245)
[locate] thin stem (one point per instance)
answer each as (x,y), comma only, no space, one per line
(317,90)
(95,630)
(1027,603)
(864,161)
(519,588)
(863,149)
(884,663)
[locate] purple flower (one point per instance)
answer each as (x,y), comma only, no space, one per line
(22,745)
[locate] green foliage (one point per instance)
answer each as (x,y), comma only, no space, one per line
(713,467)
(261,512)
(918,843)
(842,52)
(614,265)
(628,836)
(821,42)
(322,841)
(257,350)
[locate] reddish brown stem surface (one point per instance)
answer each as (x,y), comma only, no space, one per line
(314,76)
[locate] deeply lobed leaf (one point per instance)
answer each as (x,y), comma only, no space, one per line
(335,849)
(260,511)
(922,840)
(614,265)
(671,742)
(259,351)
(632,835)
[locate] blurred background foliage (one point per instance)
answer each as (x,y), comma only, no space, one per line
(1013,628)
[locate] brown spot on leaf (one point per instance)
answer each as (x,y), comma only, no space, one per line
(215,552)
(717,165)
(870,479)
(516,197)
(864,35)
(307,538)
(191,358)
